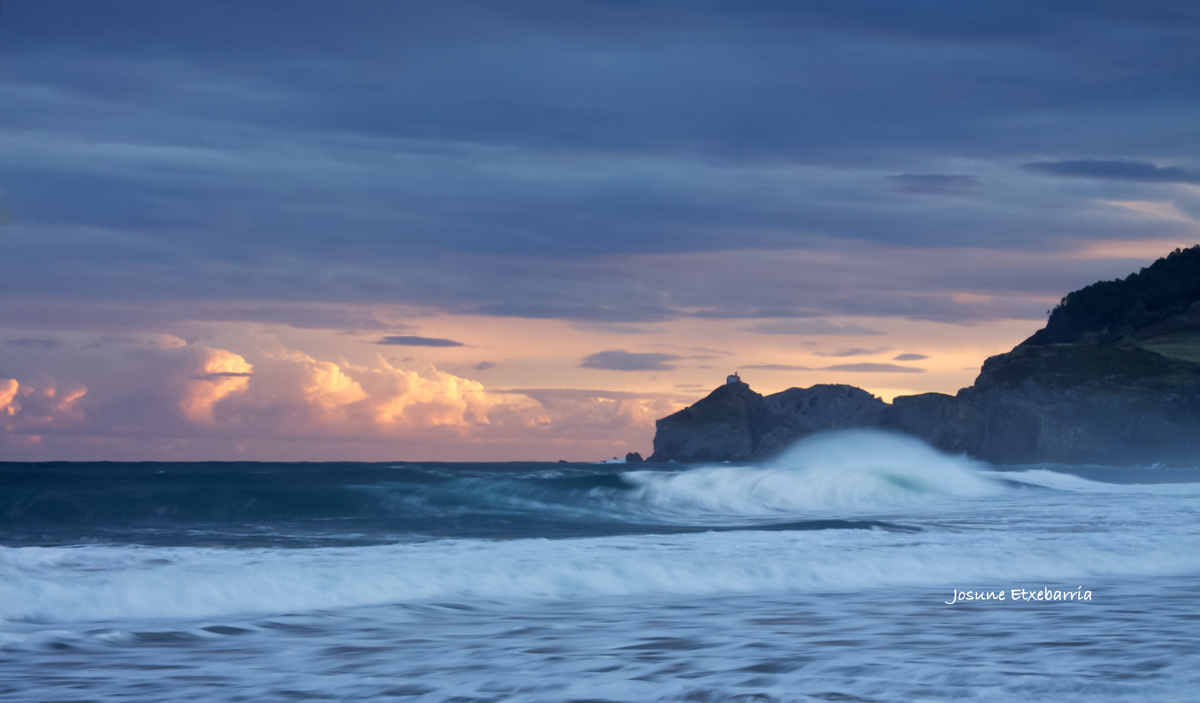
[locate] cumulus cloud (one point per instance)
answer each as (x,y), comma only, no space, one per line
(620,360)
(157,389)
(435,399)
(383,400)
(326,386)
(220,374)
(33,408)
(8,394)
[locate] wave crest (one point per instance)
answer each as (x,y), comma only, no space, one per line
(843,471)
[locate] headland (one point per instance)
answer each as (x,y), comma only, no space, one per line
(1113,378)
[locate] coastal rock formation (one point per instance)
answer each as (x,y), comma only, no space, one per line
(1068,404)
(736,424)
(826,407)
(1113,378)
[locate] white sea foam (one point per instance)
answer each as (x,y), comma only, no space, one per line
(722,615)
(842,471)
(120,583)
(1056,480)
(971,529)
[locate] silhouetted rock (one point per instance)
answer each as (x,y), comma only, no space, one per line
(736,424)
(1114,378)
(826,407)
(1068,403)
(633,458)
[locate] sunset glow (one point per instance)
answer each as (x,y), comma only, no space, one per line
(518,235)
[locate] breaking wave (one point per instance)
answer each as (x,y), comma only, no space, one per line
(120,583)
(850,471)
(833,475)
(466,535)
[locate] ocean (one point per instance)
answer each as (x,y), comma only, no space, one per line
(858,567)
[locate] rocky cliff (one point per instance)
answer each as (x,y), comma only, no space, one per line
(736,424)
(1114,378)
(1065,403)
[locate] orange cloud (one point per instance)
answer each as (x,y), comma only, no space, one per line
(343,399)
(167,393)
(443,399)
(221,374)
(327,387)
(8,395)
(68,400)
(26,407)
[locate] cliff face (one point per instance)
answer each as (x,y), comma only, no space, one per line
(1068,404)
(826,407)
(1114,378)
(736,424)
(729,425)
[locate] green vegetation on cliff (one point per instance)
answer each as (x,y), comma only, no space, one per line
(1119,367)
(1109,311)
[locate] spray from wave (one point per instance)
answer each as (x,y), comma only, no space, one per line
(987,532)
(850,471)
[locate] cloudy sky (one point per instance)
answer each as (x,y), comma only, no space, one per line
(524,230)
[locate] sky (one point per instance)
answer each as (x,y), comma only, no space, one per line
(512,230)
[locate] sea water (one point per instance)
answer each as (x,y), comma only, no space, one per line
(838,572)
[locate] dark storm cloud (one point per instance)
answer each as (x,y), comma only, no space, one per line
(936,184)
(353,152)
(1116,170)
(414,341)
(619,360)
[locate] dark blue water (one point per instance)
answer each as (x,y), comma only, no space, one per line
(823,576)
